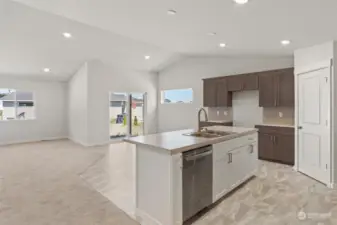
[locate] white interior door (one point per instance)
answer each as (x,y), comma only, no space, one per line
(314,124)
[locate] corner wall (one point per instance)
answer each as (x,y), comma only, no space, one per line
(189,74)
(78,106)
(50,112)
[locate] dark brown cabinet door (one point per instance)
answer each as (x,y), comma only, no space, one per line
(210,93)
(266,146)
(234,83)
(267,90)
(224,98)
(286,88)
(284,147)
(250,82)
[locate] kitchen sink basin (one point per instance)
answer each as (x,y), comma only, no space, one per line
(209,134)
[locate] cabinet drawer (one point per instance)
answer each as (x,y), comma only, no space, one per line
(221,149)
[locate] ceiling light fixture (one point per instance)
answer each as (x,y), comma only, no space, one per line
(147,57)
(241,2)
(211,33)
(222,45)
(285,42)
(46,70)
(67,35)
(171,12)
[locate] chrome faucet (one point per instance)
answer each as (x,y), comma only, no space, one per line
(199,114)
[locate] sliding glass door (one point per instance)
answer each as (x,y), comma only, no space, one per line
(126,114)
(137,114)
(118,115)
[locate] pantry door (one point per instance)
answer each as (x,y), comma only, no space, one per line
(314,124)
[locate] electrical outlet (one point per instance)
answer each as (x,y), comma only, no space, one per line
(217,113)
(280,114)
(225,113)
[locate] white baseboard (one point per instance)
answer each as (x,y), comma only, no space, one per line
(32,140)
(144,218)
(78,142)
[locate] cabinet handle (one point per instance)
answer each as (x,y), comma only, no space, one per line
(251,149)
(230,158)
(271,138)
(274,139)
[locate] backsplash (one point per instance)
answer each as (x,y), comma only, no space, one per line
(279,115)
(220,114)
(246,110)
(247,113)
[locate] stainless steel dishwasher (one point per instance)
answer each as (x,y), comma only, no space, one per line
(197,180)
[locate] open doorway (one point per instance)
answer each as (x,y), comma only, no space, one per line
(126,114)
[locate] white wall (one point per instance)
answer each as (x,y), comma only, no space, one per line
(78,106)
(50,111)
(103,79)
(306,57)
(189,74)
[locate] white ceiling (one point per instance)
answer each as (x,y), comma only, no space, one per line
(33,40)
(123,31)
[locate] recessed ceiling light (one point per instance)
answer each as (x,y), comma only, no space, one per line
(46,70)
(171,12)
(285,42)
(222,45)
(67,35)
(241,2)
(147,57)
(211,33)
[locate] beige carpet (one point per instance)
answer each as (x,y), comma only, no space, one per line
(41,186)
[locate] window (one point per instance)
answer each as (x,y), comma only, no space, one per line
(177,96)
(16,105)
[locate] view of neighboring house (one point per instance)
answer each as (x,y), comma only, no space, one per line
(17,105)
(118,112)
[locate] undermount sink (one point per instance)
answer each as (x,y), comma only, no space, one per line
(209,134)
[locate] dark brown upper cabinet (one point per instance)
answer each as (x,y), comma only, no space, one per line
(286,88)
(216,93)
(267,92)
(276,88)
(210,93)
(250,82)
(243,82)
(234,83)
(223,97)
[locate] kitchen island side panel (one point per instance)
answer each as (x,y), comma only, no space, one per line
(156,193)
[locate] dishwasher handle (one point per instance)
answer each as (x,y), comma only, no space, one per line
(198,156)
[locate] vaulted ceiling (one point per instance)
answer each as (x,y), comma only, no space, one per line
(123,32)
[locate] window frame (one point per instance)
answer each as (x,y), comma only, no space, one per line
(162,96)
(16,105)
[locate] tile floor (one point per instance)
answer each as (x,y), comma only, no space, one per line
(62,183)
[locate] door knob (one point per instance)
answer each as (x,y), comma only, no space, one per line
(300,127)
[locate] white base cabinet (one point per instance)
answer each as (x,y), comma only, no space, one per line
(234,161)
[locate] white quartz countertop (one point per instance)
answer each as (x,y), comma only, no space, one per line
(219,121)
(176,142)
(276,125)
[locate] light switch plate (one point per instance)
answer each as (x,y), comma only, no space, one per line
(280,114)
(225,113)
(217,113)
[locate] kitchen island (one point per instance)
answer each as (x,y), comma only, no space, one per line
(178,174)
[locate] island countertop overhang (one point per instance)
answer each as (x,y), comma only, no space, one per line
(176,142)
